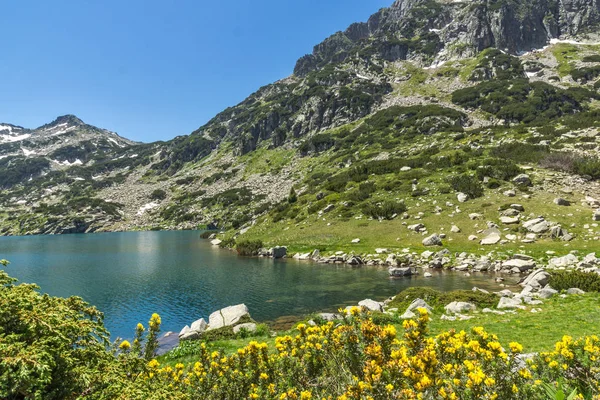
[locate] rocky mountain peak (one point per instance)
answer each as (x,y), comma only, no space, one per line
(69,120)
(430,31)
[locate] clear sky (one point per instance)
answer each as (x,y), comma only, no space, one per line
(151,70)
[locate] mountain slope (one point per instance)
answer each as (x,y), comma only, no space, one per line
(380,128)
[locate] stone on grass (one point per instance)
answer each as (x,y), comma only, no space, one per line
(547,292)
(371,305)
(522,179)
(506,302)
(248,327)
(433,240)
(458,307)
(559,201)
(227,316)
(575,291)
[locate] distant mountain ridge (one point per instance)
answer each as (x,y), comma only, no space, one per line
(424,89)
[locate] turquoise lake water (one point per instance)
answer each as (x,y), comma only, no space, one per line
(130,275)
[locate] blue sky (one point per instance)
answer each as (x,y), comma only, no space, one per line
(151,70)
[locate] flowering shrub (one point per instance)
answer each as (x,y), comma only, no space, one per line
(52,348)
(359,359)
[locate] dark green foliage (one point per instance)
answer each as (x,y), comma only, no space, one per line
(317,144)
(497,168)
(495,64)
(207,234)
(585,74)
(519,100)
(467,184)
(363,192)
(158,194)
(183,150)
(51,347)
(248,247)
(589,166)
(586,281)
(414,120)
(14,170)
(292,197)
(438,300)
(519,152)
(186,181)
(383,210)
(229,198)
(592,58)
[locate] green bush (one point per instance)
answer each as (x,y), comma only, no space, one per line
(50,347)
(158,194)
(586,281)
(588,166)
(248,247)
(439,300)
(383,210)
(467,184)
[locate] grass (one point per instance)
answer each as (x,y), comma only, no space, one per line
(576,316)
(330,232)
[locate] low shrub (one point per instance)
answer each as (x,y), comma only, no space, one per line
(158,194)
(383,210)
(439,300)
(586,281)
(248,247)
(207,234)
(467,184)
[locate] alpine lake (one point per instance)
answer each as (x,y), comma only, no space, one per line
(131,275)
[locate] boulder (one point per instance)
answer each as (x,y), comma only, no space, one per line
(329,316)
(328,208)
(455,229)
(184,331)
(510,193)
(355,260)
(419,303)
(491,238)
(522,265)
(547,292)
(473,237)
(474,216)
(400,271)
(408,315)
(559,201)
(357,240)
(199,325)
(461,197)
(537,279)
(458,307)
(509,220)
(278,251)
(433,240)
(537,225)
(506,302)
(596,216)
(227,316)
(416,227)
(565,261)
(575,291)
(510,212)
(249,327)
(371,305)
(517,207)
(522,179)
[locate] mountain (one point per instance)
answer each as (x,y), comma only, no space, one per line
(424,114)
